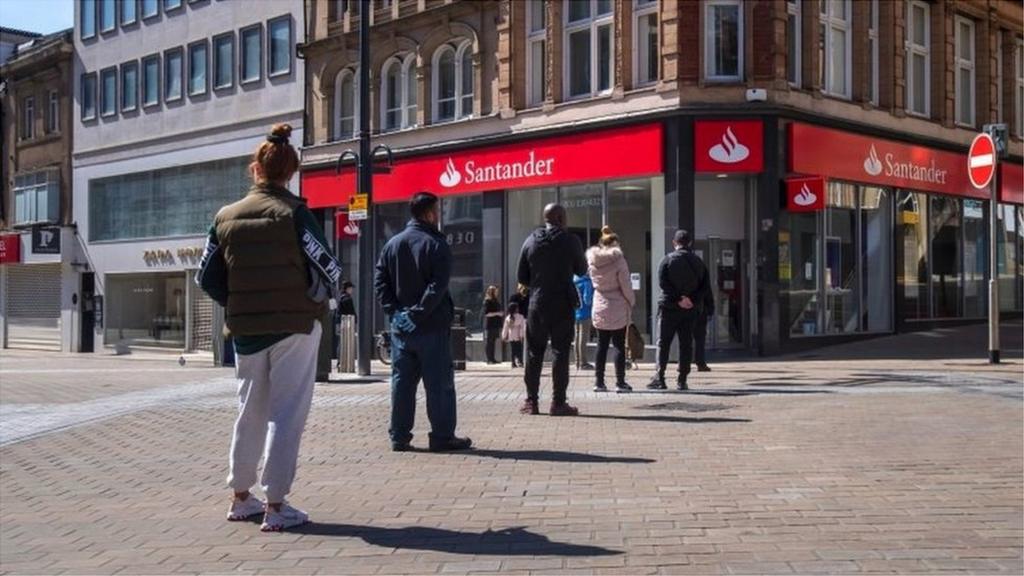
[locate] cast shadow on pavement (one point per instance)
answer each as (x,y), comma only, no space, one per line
(507,542)
(556,456)
(670,419)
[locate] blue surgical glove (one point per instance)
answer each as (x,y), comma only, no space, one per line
(402,322)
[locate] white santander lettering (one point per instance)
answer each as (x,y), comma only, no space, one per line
(910,171)
(528,168)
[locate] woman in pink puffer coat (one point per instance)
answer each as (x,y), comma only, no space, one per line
(613,305)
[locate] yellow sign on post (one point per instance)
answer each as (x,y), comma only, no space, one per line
(358,207)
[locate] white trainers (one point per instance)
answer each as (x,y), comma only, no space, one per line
(244,509)
(288,517)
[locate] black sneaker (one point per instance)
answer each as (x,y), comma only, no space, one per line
(529,407)
(586,366)
(658,383)
(622,387)
(681,385)
(401,446)
(703,368)
(451,444)
(600,388)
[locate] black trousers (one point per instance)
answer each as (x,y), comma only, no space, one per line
(700,338)
(517,351)
(491,339)
(672,324)
(542,326)
(604,338)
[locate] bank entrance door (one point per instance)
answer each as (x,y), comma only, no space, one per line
(722,232)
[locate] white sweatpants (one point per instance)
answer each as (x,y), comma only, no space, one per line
(275,391)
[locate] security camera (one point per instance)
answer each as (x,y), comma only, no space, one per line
(757,95)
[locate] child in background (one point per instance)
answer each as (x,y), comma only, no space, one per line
(514,332)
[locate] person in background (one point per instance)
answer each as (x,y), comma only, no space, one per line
(700,332)
(683,280)
(613,306)
(268,264)
(492,322)
(547,263)
(411,284)
(521,298)
(585,291)
(513,332)
(347,304)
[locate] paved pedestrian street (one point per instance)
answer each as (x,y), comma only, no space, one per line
(806,464)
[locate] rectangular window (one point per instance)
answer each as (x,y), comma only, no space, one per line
(645,26)
(28,118)
(251,61)
(964,71)
(1018,91)
(723,41)
(89,96)
(53,113)
(87,19)
(999,77)
(150,8)
(588,61)
(536,60)
(279,48)
(873,49)
(176,201)
(918,45)
(173,71)
(223,61)
(36,197)
(947,257)
(197,66)
(794,42)
(834,48)
(107,15)
(151,81)
(129,87)
(108,92)
(171,5)
(129,13)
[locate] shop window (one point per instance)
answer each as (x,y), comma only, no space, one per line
(834,47)
(108,92)
(462,225)
(37,197)
(453,81)
(536,60)
(398,93)
(975,259)
(1009,245)
(876,224)
(129,86)
(799,252)
(946,258)
(173,72)
(346,104)
(151,81)
(88,111)
(87,19)
(918,47)
(873,50)
(842,272)
(794,42)
(178,201)
(645,36)
(912,221)
(723,41)
(279,46)
(145,309)
(964,71)
(588,42)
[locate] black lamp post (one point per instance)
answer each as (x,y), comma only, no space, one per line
(367,233)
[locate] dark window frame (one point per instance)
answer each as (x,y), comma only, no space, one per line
(269,48)
(230,37)
(85,78)
(126,66)
(242,81)
(142,10)
(120,13)
(27,130)
(95,20)
(166,75)
(167,8)
(99,13)
(103,73)
(159,81)
(206,57)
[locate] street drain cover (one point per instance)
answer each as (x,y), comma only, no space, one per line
(687,407)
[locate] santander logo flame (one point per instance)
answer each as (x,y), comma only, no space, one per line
(872,165)
(805,197)
(730,150)
(351,228)
(450,177)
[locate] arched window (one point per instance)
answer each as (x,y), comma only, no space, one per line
(398,99)
(453,81)
(346,104)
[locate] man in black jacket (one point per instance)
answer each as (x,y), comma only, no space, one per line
(684,281)
(412,286)
(550,258)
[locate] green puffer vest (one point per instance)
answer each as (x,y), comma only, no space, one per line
(267,270)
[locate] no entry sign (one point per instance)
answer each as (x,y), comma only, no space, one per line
(981,161)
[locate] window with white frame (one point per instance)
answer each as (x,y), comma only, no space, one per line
(834,47)
(28,117)
(537,51)
(53,113)
(723,40)
(873,50)
(453,81)
(398,93)
(36,197)
(346,104)
(645,38)
(589,47)
(918,45)
(964,47)
(794,42)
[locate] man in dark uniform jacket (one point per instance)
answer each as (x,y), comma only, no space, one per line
(683,279)
(550,258)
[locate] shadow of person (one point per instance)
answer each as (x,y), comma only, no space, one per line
(506,542)
(557,456)
(670,419)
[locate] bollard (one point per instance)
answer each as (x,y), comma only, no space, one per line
(347,345)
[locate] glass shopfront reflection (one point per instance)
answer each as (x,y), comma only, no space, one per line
(145,310)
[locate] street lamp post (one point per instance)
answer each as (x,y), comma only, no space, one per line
(365,186)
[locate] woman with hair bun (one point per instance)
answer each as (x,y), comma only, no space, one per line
(613,305)
(268,264)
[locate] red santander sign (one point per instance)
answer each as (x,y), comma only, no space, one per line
(725,146)
(981,161)
(805,194)
(598,155)
(10,249)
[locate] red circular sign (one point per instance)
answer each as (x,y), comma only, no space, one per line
(981,161)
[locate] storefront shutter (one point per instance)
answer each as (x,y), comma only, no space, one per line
(33,306)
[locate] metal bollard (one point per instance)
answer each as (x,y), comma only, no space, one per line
(347,345)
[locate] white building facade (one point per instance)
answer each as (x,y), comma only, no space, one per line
(172,98)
